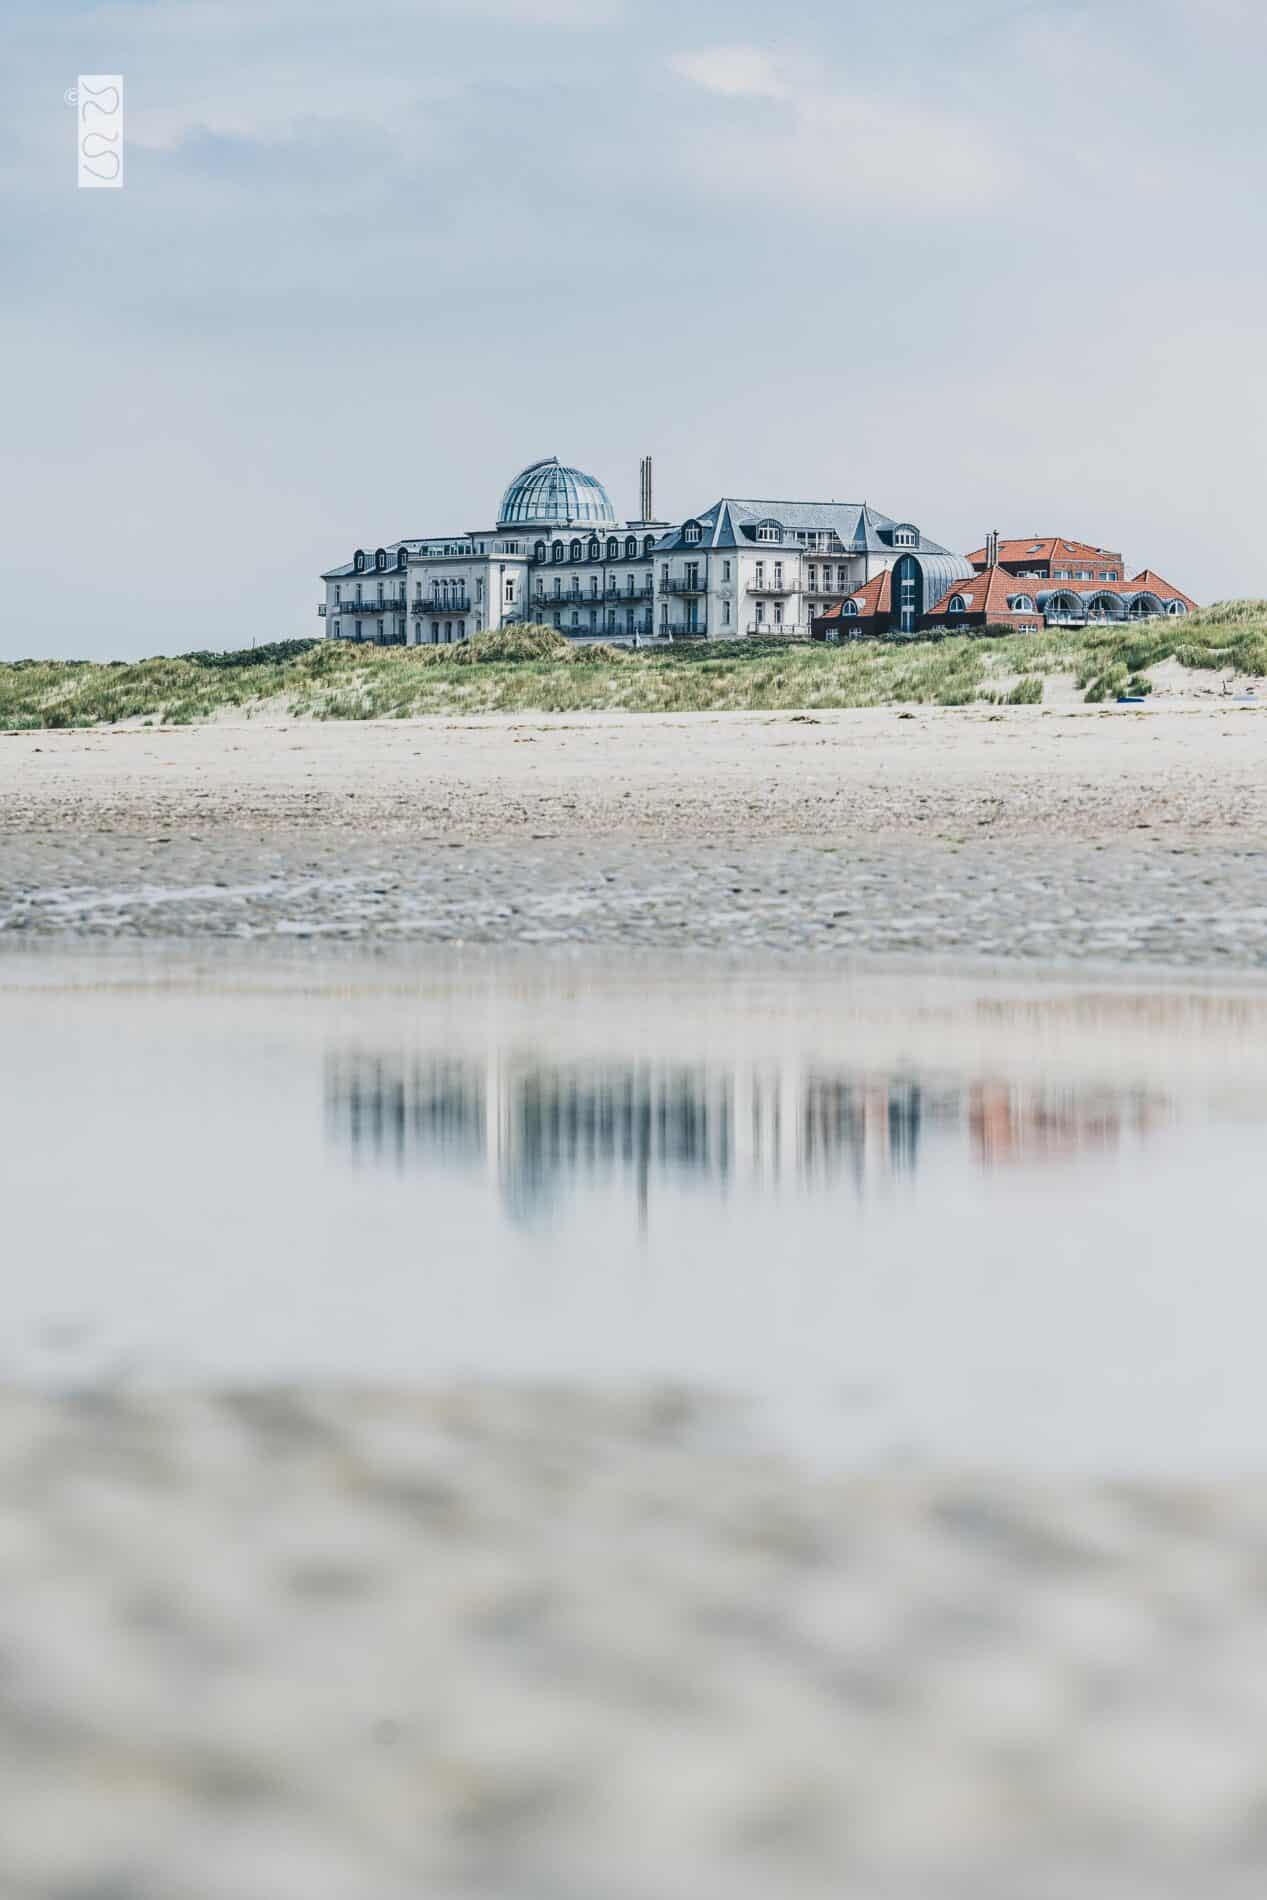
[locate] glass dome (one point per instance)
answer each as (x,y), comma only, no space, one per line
(549,493)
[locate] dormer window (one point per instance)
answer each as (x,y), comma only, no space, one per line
(557,550)
(596,549)
(380,559)
(769,531)
(648,542)
(613,548)
(905,536)
(575,550)
(958,605)
(402,557)
(1021,604)
(631,547)
(359,562)
(692,534)
(851,609)
(539,551)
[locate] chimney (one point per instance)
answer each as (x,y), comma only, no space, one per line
(992,548)
(644,482)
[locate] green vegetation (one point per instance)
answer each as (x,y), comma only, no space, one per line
(527,669)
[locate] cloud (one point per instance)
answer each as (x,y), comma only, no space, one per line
(737,72)
(829,146)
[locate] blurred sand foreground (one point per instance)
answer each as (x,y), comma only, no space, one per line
(318,1645)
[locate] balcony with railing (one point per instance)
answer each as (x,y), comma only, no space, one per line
(454,604)
(685,584)
(777,585)
(391,604)
(687,630)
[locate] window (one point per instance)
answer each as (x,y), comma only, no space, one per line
(613,548)
(380,629)
(596,549)
(769,531)
(760,612)
(664,573)
(558,550)
(725,570)
(813,580)
(576,618)
(337,629)
(725,613)
(1022,604)
(758,574)
(841,581)
(778,573)
(958,604)
(338,595)
(575,550)
(401,557)
(400,628)
(850,608)
(1175,607)
(692,534)
(631,547)
(380,559)
(539,551)
(510,591)
(479,590)
(648,542)
(359,563)
(358,629)
(906,536)
(778,613)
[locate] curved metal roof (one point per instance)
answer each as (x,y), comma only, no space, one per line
(548,493)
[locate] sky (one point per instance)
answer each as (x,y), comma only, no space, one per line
(983,265)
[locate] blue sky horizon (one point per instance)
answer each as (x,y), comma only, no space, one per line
(981,264)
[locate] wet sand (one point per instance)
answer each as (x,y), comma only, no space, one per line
(1104,835)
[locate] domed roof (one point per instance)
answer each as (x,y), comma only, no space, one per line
(548,492)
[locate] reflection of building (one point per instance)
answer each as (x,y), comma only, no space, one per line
(1032,1124)
(537,1127)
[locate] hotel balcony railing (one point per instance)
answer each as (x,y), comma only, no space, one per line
(684,630)
(690,584)
(771,587)
(392,605)
(449,606)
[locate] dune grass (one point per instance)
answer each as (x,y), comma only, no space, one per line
(536,670)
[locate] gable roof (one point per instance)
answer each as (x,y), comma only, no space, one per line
(732,522)
(1048,548)
(875,598)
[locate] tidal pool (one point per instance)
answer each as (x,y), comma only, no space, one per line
(902,1215)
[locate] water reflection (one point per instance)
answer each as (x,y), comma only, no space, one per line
(535,1126)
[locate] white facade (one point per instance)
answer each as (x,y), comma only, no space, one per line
(559,556)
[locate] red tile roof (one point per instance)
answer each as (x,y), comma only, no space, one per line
(875,598)
(1047,548)
(988,592)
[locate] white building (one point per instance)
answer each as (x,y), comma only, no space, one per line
(559,556)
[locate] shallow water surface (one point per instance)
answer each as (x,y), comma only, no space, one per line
(905,1216)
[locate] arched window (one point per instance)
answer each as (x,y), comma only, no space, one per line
(595,549)
(576,550)
(850,608)
(631,547)
(613,548)
(380,559)
(958,605)
(905,536)
(769,531)
(648,542)
(557,550)
(1021,604)
(359,562)
(692,534)
(1175,607)
(539,551)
